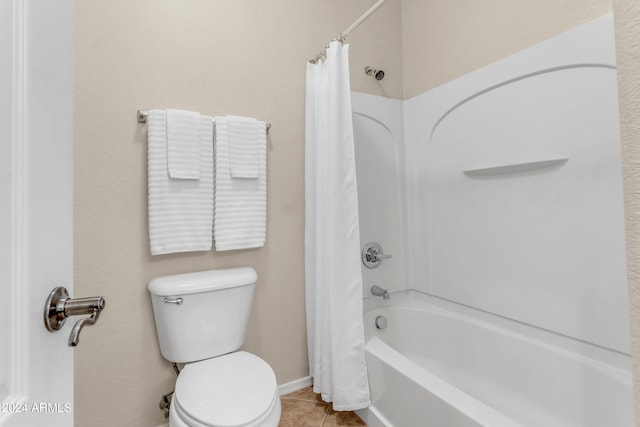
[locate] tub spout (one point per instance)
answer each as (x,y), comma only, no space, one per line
(380,292)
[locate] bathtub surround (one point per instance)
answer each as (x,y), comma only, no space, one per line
(543,246)
(449,41)
(333,283)
(377,126)
(508,170)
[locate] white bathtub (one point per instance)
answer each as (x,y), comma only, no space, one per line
(440,364)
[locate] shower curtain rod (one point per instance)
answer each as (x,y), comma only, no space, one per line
(341,37)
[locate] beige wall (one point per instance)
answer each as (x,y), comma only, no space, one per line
(627,21)
(244,57)
(445,39)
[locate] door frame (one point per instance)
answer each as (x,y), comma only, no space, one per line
(38,123)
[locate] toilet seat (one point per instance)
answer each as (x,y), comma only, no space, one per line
(237,389)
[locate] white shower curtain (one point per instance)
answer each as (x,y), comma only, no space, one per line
(333,280)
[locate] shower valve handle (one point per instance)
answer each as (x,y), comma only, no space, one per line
(380,257)
(372,255)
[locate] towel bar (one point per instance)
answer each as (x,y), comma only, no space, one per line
(142,115)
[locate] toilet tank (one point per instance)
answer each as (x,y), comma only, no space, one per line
(203,314)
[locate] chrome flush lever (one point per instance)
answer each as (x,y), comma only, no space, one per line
(59,307)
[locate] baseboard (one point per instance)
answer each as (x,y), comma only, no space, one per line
(295,385)
(372,417)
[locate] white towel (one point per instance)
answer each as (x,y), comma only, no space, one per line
(240,218)
(180,211)
(243,147)
(183,144)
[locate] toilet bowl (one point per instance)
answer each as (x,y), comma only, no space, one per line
(201,319)
(237,389)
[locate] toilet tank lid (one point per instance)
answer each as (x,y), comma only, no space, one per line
(202,281)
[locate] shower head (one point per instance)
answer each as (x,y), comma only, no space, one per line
(376,74)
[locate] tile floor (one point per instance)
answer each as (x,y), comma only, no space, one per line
(304,408)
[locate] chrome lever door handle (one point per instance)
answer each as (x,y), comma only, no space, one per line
(59,307)
(74,336)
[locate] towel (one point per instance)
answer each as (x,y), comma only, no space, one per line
(243,147)
(180,211)
(240,218)
(183,144)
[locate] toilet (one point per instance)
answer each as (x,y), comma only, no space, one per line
(201,319)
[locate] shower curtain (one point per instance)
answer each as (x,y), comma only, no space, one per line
(333,280)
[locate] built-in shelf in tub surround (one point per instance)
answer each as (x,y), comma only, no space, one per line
(515,167)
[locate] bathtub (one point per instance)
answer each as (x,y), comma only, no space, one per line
(440,364)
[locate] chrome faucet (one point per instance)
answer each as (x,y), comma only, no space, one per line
(380,292)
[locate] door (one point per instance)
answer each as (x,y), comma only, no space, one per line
(36,130)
